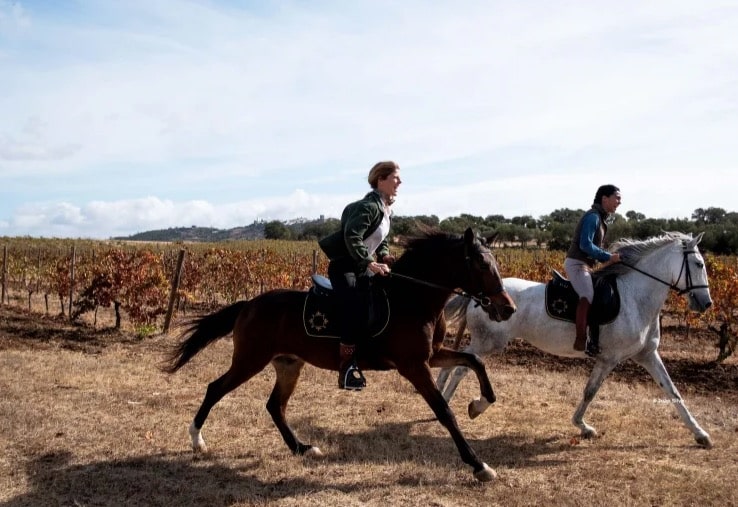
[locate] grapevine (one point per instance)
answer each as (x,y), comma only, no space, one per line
(134,279)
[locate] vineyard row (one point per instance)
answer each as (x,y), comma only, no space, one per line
(150,283)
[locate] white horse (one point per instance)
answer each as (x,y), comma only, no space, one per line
(650,269)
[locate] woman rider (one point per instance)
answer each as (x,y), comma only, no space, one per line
(356,252)
(585,251)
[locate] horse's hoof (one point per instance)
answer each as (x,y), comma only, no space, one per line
(704,441)
(477,408)
(314,453)
(589,432)
(486,474)
(198,443)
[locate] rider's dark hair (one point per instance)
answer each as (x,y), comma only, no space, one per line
(605,191)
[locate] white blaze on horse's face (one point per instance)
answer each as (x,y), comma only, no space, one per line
(693,276)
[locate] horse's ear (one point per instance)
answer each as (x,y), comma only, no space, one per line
(469,236)
(695,241)
(491,239)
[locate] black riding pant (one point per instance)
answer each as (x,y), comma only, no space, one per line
(352,290)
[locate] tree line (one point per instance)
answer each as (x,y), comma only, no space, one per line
(552,231)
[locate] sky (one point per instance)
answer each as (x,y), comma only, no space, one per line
(118,117)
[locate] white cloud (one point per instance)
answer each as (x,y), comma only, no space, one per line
(106,219)
(647,192)
(107,102)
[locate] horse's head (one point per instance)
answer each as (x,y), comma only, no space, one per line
(484,280)
(682,268)
(692,275)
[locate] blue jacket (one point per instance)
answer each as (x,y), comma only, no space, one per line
(586,244)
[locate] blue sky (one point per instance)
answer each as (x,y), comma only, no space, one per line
(120,117)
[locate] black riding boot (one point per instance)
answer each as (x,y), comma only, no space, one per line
(349,375)
(581,324)
(593,345)
(589,342)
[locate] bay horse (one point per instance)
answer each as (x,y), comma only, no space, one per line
(269,329)
(650,269)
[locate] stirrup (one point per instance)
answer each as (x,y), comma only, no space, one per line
(352,379)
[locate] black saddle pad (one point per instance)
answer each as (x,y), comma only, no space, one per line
(561,299)
(320,313)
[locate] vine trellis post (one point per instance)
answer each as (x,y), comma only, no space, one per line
(175,289)
(72,260)
(4,274)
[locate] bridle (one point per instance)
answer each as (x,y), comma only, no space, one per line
(480,298)
(689,287)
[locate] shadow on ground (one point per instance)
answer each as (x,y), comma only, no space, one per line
(179,478)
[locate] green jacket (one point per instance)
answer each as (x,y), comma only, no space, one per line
(358,221)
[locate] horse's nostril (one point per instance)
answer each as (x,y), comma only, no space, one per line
(509,310)
(708,305)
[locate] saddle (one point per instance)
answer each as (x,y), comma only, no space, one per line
(561,301)
(321,310)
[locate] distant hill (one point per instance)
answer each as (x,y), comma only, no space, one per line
(199,234)
(297,227)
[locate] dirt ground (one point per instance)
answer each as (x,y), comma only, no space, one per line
(89,420)
(688,356)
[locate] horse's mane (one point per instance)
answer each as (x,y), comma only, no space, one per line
(425,245)
(633,251)
(428,241)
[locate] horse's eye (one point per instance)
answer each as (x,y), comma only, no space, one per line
(484,262)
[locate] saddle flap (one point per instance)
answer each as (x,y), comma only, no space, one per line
(606,301)
(559,280)
(321,310)
(561,299)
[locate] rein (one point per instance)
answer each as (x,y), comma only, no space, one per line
(673,286)
(483,301)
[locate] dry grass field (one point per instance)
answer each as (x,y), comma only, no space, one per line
(89,420)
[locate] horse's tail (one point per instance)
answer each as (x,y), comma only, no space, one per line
(202,332)
(455,314)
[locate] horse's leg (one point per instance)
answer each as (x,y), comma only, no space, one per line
(601,370)
(456,376)
(651,361)
(239,372)
(422,379)
(448,358)
(288,371)
(442,378)
(445,372)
